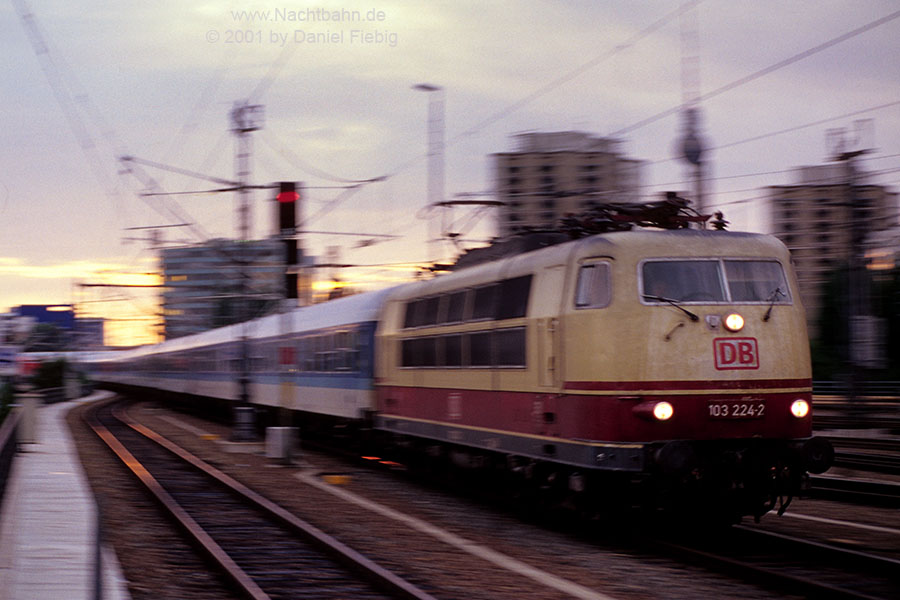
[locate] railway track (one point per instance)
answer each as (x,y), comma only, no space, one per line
(862,461)
(790,564)
(855,419)
(263,551)
(866,443)
(856,491)
(878,454)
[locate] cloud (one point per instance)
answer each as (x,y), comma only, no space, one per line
(76,269)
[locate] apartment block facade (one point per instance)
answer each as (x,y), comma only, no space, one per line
(553,174)
(204,283)
(814,218)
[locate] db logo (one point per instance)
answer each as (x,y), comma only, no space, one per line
(736,353)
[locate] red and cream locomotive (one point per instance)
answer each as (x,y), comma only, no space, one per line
(668,365)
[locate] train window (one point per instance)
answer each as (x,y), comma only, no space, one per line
(414,310)
(593,287)
(430,311)
(305,360)
(479,349)
(443,301)
(452,351)
(509,347)
(419,352)
(421,312)
(456,304)
(683,281)
(321,358)
(756,281)
(485,300)
(428,353)
(352,357)
(407,353)
(513,301)
(312,357)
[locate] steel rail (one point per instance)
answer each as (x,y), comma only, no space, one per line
(384,579)
(865,443)
(763,569)
(855,491)
(204,542)
(868,462)
(352,558)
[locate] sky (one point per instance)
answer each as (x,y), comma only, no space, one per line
(86,83)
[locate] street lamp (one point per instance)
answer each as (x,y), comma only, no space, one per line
(435,147)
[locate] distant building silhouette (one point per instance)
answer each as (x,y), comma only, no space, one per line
(70,332)
(203,283)
(813,218)
(553,174)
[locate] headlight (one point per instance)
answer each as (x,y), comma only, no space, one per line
(734,322)
(651,410)
(663,411)
(800,408)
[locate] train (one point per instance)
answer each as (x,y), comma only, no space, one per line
(663,368)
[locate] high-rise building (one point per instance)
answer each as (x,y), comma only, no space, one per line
(205,289)
(814,218)
(553,174)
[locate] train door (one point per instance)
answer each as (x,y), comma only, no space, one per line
(547,356)
(548,329)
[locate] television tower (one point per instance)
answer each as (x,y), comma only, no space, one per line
(692,143)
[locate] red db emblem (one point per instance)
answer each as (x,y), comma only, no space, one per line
(736,353)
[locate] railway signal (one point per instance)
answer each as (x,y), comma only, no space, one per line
(287,199)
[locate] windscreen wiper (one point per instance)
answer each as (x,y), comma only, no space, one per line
(773,298)
(673,303)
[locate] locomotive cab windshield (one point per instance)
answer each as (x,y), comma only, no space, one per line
(713,281)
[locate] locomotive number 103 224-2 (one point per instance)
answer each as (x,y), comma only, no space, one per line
(749,409)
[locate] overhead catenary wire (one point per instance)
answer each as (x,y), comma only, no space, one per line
(498,116)
(290,156)
(272,74)
(656,25)
(833,180)
(783,131)
(764,71)
(553,85)
(50,64)
(828,181)
(574,73)
(501,117)
(65,92)
(204,101)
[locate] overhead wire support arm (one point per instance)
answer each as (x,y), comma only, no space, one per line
(134,169)
(178,170)
(291,157)
(190,193)
(121,285)
(368,235)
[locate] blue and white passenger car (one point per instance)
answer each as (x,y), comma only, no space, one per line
(317,359)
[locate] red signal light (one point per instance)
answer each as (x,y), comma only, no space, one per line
(286,197)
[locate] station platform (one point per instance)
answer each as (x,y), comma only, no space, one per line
(48,523)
